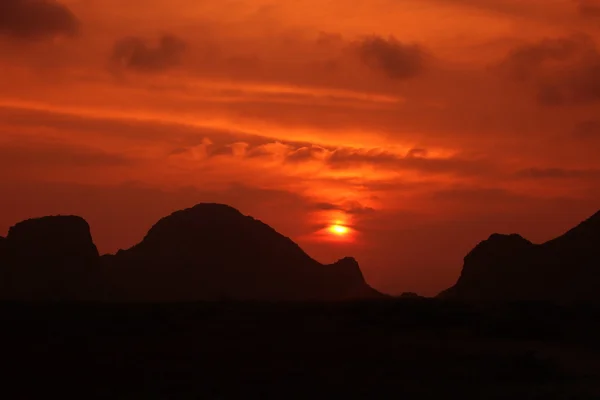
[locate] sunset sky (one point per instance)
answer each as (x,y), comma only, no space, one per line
(422,125)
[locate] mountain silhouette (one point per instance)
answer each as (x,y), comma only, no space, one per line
(48,258)
(207,252)
(511,268)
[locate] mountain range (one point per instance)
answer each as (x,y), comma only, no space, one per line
(214,252)
(207,252)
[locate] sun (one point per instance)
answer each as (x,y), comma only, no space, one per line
(339,230)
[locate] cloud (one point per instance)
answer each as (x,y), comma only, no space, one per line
(166,133)
(54,155)
(561,71)
(259,151)
(339,158)
(488,202)
(138,54)
(393,58)
(351,208)
(36,19)
(290,151)
(524,61)
(227,150)
(511,8)
(416,161)
(589,129)
(305,154)
(348,157)
(345,158)
(417,153)
(589,8)
(557,173)
(550,94)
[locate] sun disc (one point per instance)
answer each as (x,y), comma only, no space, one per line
(339,230)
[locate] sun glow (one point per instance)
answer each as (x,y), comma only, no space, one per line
(339,230)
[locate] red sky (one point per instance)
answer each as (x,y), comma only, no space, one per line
(425,125)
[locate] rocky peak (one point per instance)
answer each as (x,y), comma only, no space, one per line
(50,257)
(347,278)
(203,213)
(213,230)
(53,234)
(349,267)
(348,261)
(498,245)
(200,218)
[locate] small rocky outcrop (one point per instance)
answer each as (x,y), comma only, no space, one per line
(346,280)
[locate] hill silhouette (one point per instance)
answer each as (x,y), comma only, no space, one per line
(511,268)
(49,258)
(207,252)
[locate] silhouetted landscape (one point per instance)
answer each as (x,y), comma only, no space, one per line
(208,252)
(511,268)
(213,303)
(377,199)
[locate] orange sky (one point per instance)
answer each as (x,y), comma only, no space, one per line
(424,125)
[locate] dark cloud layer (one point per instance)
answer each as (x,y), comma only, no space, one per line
(138,54)
(589,129)
(20,156)
(416,153)
(562,71)
(523,62)
(391,57)
(36,19)
(589,8)
(558,173)
(414,160)
(304,154)
(351,208)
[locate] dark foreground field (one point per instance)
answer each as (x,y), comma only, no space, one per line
(390,349)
